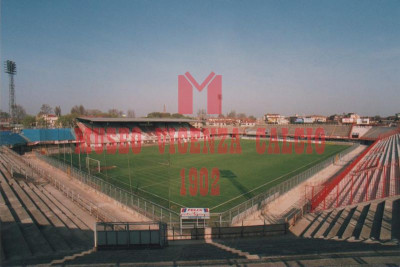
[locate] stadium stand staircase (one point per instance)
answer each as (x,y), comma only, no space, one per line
(37,223)
(363,203)
(374,221)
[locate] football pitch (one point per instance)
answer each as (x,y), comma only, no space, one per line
(159,177)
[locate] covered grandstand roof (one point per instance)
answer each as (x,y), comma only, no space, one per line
(11,139)
(96,119)
(45,135)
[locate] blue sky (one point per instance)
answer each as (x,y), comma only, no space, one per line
(305,57)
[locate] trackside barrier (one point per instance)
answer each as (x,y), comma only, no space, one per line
(130,235)
(245,231)
(159,213)
(143,206)
(238,213)
(227,232)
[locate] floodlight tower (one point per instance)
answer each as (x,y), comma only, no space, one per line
(11,69)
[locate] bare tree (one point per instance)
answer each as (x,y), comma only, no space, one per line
(4,115)
(131,113)
(57,111)
(241,116)
(231,115)
(45,110)
(94,112)
(201,114)
(115,113)
(20,113)
(78,110)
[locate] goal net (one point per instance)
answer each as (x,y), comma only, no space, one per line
(93,165)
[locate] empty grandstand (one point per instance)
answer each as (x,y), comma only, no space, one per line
(375,174)
(147,127)
(37,221)
(362,203)
(331,131)
(43,215)
(377,131)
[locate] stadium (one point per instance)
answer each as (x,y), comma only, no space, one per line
(199,133)
(69,186)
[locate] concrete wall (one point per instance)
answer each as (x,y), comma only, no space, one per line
(241,231)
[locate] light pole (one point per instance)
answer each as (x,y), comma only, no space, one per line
(11,69)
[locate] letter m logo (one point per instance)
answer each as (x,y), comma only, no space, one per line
(214,93)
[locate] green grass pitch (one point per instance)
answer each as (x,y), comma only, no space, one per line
(157,177)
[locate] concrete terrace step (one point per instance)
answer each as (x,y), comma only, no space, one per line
(302,226)
(71,257)
(386,224)
(233,250)
(351,226)
(316,224)
(13,241)
(84,220)
(48,230)
(345,223)
(376,225)
(75,235)
(338,224)
(78,216)
(396,219)
(35,239)
(374,221)
(51,216)
(327,224)
(368,222)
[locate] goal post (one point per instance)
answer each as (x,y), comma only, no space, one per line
(92,165)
